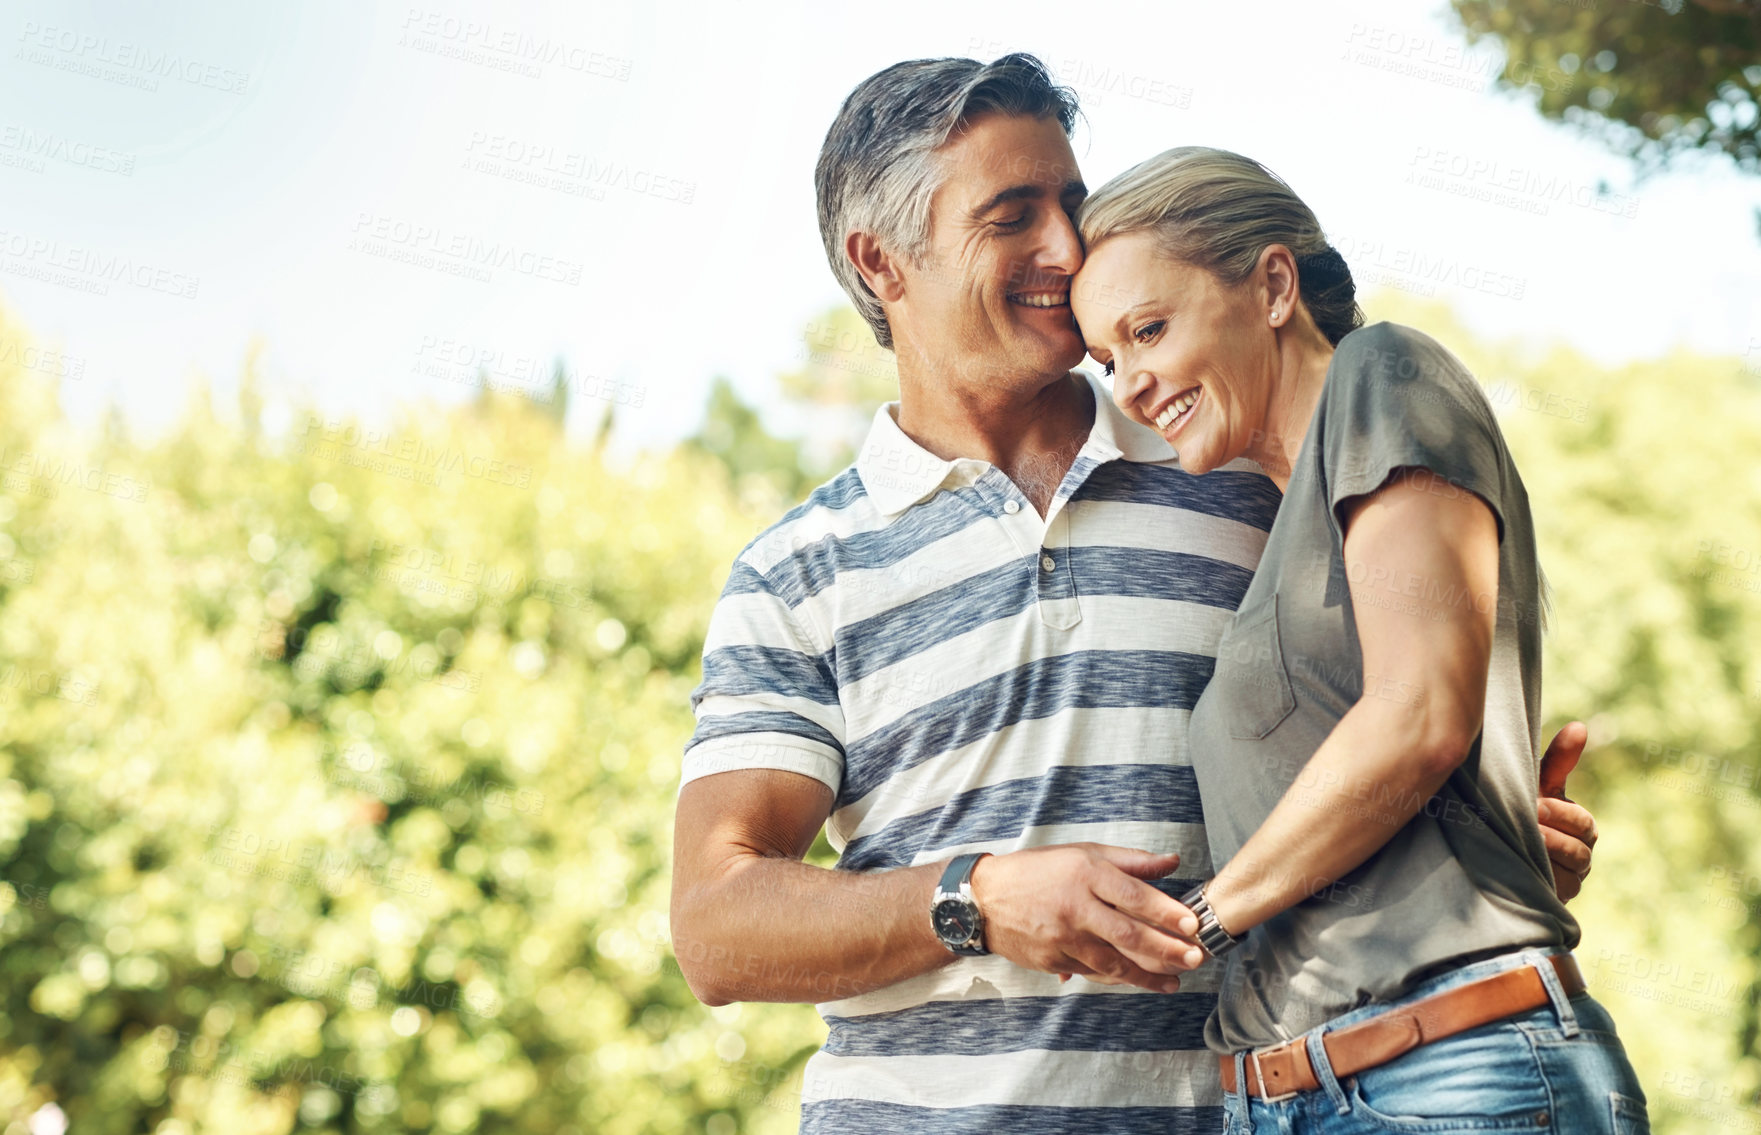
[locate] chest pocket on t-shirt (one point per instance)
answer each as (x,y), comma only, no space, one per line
(1250,676)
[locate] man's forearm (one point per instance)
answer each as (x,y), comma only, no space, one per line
(775,929)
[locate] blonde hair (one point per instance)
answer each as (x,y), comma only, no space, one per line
(1219,210)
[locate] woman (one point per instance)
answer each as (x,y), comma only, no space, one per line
(1367,749)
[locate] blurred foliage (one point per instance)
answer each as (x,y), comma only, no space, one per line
(733,436)
(845,374)
(1653,80)
(337,764)
(336,773)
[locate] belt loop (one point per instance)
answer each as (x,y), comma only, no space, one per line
(1246,1097)
(1568,1017)
(1324,1071)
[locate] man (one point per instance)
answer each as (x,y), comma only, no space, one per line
(985,636)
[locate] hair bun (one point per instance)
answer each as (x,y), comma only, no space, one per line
(1324,269)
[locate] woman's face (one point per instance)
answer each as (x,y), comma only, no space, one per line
(1190,358)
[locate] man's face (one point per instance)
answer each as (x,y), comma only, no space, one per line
(991,301)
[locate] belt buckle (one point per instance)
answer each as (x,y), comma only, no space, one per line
(1260,1075)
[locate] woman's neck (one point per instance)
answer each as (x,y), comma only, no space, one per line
(1300,375)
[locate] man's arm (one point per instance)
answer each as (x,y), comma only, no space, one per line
(751,922)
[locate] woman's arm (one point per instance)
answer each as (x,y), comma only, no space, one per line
(1387,755)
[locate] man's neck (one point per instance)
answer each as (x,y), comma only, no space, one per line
(1032,433)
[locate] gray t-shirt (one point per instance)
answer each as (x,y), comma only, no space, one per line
(1468,876)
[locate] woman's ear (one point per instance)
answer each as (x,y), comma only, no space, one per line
(876,265)
(1283,290)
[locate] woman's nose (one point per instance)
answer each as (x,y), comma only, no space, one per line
(1129,385)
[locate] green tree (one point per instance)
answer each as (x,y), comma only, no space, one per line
(733,435)
(844,375)
(336,773)
(1653,80)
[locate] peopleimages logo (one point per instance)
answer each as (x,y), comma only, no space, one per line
(33,146)
(405,456)
(504,48)
(1518,187)
(568,171)
(88,269)
(1422,271)
(1444,61)
(43,360)
(98,56)
(430,246)
(49,471)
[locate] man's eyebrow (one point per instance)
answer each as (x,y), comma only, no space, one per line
(1013,193)
(1028,192)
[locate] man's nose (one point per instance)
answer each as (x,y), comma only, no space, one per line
(1063,248)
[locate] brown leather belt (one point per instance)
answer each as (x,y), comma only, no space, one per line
(1287,1070)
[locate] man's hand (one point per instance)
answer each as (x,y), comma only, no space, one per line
(1568,829)
(1084,908)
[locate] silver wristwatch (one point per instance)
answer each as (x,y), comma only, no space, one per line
(1211,935)
(953,910)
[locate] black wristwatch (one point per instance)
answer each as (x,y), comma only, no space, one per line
(953,911)
(1211,935)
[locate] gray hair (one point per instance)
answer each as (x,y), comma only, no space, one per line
(877,170)
(1218,210)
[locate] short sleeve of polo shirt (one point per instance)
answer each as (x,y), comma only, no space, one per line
(768,699)
(1398,399)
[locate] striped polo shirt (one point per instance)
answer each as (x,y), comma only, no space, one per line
(967,676)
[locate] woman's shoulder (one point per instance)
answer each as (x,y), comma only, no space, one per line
(1394,363)
(1395,347)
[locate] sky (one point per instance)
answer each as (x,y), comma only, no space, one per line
(380,199)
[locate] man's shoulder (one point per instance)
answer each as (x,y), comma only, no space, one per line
(843,495)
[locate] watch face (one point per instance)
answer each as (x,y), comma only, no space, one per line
(955,920)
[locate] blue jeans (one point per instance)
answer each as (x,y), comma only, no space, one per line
(1558,1069)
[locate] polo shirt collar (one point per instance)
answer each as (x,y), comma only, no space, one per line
(897,473)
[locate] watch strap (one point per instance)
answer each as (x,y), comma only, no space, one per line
(1211,935)
(959,873)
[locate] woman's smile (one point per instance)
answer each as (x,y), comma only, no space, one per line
(1178,411)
